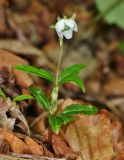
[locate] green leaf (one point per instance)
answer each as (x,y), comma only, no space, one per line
(121,47)
(23,97)
(76,80)
(2,94)
(56,123)
(69,71)
(112,11)
(41,97)
(80,108)
(35,71)
(65,117)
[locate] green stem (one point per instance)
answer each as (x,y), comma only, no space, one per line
(55,90)
(59,65)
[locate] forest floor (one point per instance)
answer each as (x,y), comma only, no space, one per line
(25,38)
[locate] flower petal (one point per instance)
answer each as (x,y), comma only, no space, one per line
(68,34)
(60,25)
(75,28)
(65,27)
(71,24)
(60,34)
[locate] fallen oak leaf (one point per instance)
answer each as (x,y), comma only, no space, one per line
(91,137)
(7,59)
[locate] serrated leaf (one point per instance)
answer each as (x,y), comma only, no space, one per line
(56,123)
(69,71)
(112,10)
(2,94)
(65,117)
(35,71)
(40,97)
(80,108)
(23,97)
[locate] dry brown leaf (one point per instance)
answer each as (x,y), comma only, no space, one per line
(115,86)
(61,148)
(30,52)
(38,124)
(7,106)
(3,27)
(5,122)
(91,136)
(18,146)
(118,140)
(119,63)
(35,148)
(8,59)
(7,157)
(32,24)
(120,156)
(117,136)
(19,47)
(16,113)
(4,146)
(15,156)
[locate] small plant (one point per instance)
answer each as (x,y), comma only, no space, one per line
(64,28)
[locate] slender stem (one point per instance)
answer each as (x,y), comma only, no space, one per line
(59,65)
(55,89)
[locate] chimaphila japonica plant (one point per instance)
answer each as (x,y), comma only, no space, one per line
(64,28)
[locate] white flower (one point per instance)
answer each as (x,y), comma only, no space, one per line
(65,28)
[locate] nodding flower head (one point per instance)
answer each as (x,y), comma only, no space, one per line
(65,27)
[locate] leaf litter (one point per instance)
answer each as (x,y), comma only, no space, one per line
(88,136)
